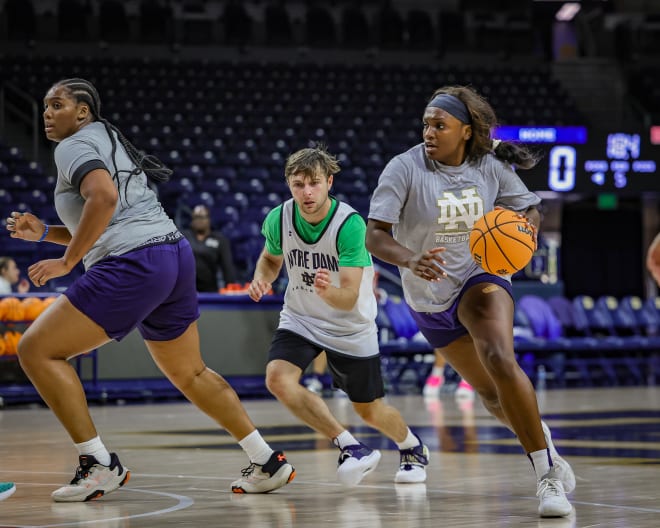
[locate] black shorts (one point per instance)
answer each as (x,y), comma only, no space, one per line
(360,378)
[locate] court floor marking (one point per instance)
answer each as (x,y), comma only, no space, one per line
(183,502)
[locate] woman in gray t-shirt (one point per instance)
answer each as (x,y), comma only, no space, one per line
(139,273)
(421,213)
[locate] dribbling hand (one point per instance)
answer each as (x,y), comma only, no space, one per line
(529,225)
(427,265)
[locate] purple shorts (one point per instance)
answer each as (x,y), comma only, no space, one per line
(151,288)
(442,328)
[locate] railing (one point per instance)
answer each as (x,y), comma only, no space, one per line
(13,100)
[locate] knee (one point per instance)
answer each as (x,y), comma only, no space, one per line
(278,384)
(498,361)
(491,400)
(27,351)
(366,411)
(185,378)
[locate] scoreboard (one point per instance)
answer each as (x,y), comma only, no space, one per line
(575,160)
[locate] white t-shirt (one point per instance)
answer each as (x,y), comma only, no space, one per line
(431,205)
(5,287)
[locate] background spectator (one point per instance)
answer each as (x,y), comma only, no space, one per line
(10,275)
(212,252)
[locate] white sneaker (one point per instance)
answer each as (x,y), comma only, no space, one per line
(314,385)
(356,462)
(264,478)
(553,501)
(562,468)
(7,489)
(432,386)
(93,480)
(412,468)
(464,391)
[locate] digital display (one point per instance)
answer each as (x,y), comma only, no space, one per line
(539,134)
(610,162)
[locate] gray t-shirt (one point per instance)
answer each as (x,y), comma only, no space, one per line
(139,216)
(432,205)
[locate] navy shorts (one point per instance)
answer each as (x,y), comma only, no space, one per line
(151,288)
(360,378)
(442,328)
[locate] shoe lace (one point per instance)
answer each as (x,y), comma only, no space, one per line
(550,486)
(345,454)
(414,456)
(246,472)
(357,451)
(81,474)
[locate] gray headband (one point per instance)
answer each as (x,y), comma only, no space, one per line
(452,105)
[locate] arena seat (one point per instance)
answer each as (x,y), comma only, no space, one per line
(402,347)
(648,318)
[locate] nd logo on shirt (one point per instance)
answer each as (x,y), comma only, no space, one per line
(457,215)
(309,261)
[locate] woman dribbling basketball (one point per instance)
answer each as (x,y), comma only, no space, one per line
(421,213)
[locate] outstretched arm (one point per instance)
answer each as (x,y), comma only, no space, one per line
(100,195)
(27,226)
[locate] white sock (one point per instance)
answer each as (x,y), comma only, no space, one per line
(438,371)
(541,461)
(95,448)
(345,439)
(256,448)
(410,441)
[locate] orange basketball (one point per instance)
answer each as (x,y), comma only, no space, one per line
(501,242)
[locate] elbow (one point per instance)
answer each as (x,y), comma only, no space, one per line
(352,306)
(106,201)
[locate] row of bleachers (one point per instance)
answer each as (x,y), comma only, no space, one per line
(579,342)
(591,341)
(231,89)
(226,128)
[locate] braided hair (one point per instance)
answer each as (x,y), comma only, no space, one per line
(483,121)
(83,91)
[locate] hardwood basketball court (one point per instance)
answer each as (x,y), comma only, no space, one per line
(182,467)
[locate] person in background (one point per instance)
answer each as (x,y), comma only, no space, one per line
(139,273)
(653,259)
(314,381)
(421,213)
(329,305)
(212,252)
(436,380)
(10,276)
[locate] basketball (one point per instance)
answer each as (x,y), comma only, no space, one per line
(501,242)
